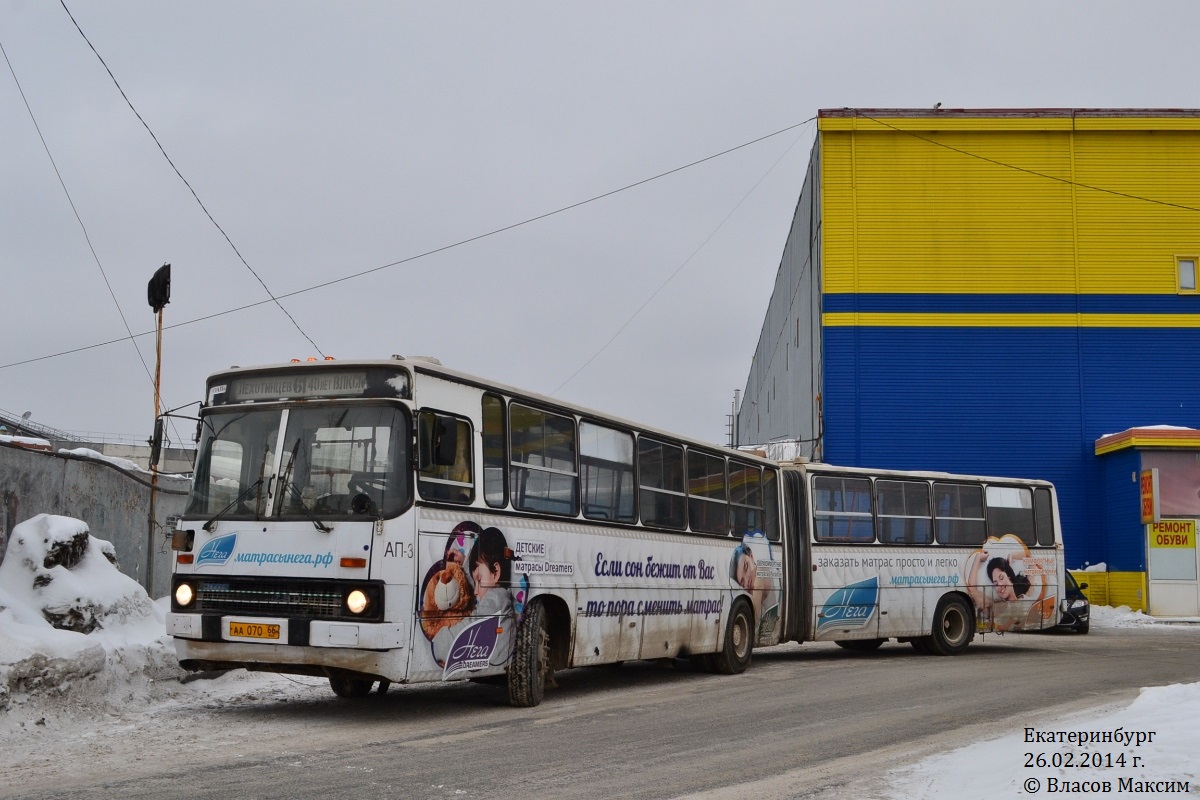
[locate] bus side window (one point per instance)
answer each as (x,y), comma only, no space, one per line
(1010,511)
(542,466)
(495,455)
(1043,515)
(708,505)
(450,482)
(958,514)
(606,473)
(746,500)
(770,523)
(660,475)
(842,509)
(903,515)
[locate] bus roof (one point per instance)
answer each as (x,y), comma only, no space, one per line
(906,473)
(432,366)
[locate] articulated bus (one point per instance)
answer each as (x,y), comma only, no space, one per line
(394,521)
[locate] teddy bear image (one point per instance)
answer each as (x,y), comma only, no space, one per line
(447,599)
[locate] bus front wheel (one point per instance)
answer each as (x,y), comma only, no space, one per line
(734,656)
(953,627)
(529,667)
(350,687)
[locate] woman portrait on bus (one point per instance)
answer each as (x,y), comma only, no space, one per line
(997,598)
(744,569)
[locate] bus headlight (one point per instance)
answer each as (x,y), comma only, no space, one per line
(356,601)
(184,594)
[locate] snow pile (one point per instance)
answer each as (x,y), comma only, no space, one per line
(120,463)
(1122,617)
(998,767)
(25,441)
(73,629)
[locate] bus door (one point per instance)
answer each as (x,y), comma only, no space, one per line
(797,570)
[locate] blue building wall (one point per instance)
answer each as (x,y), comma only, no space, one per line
(1028,402)
(1121,507)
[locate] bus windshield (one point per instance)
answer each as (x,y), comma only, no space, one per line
(310,462)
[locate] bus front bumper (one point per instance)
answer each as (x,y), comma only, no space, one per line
(281,631)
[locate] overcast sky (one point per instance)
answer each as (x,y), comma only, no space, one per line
(331,138)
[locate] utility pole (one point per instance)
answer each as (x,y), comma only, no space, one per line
(158,294)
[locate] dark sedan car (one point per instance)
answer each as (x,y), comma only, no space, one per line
(1076,610)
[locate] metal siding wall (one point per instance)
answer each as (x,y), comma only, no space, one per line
(906,221)
(906,215)
(1124,547)
(990,401)
(1127,246)
(784,376)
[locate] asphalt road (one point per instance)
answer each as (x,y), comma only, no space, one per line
(803,721)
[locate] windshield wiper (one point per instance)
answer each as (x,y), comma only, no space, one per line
(288,485)
(208,526)
(308,512)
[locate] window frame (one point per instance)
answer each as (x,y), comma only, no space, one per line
(1180,260)
(583,483)
(504,464)
(541,469)
(682,494)
(855,517)
(468,485)
(881,515)
(959,485)
(703,501)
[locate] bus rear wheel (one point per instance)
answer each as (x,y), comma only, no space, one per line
(529,667)
(734,656)
(953,627)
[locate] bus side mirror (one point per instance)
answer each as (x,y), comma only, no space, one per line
(156,442)
(438,440)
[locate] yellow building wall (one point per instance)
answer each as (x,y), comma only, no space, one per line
(922,205)
(1114,589)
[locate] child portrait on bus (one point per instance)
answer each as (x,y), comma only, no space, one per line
(489,565)
(744,569)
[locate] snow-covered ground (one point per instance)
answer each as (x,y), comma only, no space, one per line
(117,666)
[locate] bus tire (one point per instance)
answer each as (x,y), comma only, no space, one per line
(953,627)
(347,687)
(529,667)
(734,656)
(861,645)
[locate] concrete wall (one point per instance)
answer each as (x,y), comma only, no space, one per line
(114,504)
(173,461)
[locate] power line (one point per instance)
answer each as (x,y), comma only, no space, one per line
(428,253)
(1026,170)
(686,261)
(566,208)
(200,202)
(79,219)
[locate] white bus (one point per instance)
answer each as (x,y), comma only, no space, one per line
(396,521)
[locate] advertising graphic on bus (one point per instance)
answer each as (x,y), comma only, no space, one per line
(394,521)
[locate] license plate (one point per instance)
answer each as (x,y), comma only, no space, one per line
(253,630)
